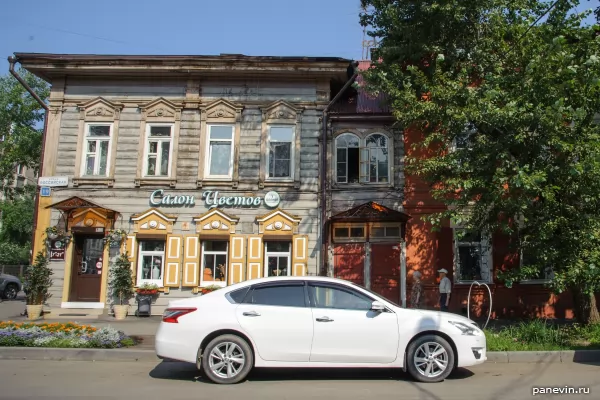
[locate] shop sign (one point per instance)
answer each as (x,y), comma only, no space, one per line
(57,250)
(212,199)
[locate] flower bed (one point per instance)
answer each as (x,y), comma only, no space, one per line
(65,335)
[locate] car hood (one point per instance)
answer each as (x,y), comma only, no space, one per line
(445,316)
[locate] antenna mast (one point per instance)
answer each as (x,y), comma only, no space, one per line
(367,44)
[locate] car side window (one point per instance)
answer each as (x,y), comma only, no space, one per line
(324,296)
(278,295)
(237,296)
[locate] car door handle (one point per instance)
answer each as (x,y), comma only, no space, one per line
(251,314)
(324,319)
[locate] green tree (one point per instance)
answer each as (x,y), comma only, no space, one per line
(505,93)
(38,281)
(120,279)
(17,226)
(21,125)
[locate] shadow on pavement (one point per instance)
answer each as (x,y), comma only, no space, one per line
(188,372)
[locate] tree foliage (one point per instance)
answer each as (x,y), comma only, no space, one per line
(121,280)
(17,226)
(505,93)
(21,120)
(38,281)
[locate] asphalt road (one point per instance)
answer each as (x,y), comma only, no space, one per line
(103,380)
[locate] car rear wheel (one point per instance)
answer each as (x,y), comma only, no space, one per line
(10,291)
(227,359)
(430,358)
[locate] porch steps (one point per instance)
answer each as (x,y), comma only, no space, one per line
(74,313)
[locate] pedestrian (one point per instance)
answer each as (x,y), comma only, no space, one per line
(445,289)
(416,293)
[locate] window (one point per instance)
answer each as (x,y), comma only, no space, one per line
(385,231)
(214,262)
(340,298)
(237,296)
(366,162)
(349,232)
(463,140)
(96,149)
(280,158)
(472,256)
(220,151)
(347,157)
(280,295)
(151,262)
(278,256)
(158,150)
(543,275)
(281,154)
(20,170)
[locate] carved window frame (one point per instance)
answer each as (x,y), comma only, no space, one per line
(280,113)
(219,112)
(158,112)
(102,112)
(362,137)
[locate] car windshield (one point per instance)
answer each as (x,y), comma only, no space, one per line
(375,294)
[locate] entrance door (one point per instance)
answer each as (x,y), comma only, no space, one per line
(87,268)
(385,270)
(349,262)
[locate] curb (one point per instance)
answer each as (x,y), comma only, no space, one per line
(544,357)
(133,355)
(58,354)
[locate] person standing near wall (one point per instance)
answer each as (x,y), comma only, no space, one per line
(445,289)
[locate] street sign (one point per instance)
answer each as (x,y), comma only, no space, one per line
(45,191)
(53,181)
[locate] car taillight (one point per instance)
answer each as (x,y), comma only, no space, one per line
(172,314)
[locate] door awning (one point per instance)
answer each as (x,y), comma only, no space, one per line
(371,212)
(78,203)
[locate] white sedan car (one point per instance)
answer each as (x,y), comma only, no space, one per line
(313,322)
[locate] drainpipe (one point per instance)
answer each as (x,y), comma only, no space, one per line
(12,60)
(323,173)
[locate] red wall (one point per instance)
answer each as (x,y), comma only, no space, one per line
(427,251)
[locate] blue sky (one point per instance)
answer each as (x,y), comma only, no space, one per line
(251,27)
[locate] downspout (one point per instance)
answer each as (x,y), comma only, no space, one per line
(12,60)
(323,173)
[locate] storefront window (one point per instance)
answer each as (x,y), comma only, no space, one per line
(278,258)
(151,262)
(214,262)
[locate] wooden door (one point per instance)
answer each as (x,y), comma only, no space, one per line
(87,268)
(349,262)
(385,270)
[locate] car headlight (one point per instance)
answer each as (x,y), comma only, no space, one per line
(465,329)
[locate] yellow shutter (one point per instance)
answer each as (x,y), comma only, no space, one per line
(131,249)
(173,260)
(300,255)
(255,257)
(237,259)
(191,261)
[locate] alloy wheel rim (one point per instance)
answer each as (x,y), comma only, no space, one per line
(431,359)
(11,293)
(226,360)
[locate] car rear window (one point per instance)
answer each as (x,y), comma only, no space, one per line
(280,295)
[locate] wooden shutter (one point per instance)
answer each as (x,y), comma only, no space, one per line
(131,249)
(255,257)
(173,261)
(364,164)
(191,261)
(237,259)
(300,255)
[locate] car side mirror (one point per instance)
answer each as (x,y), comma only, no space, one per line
(377,306)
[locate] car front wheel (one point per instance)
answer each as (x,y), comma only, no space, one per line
(430,358)
(227,359)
